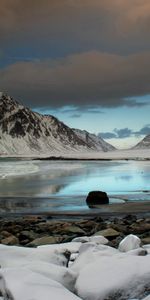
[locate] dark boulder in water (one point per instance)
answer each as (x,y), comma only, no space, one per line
(95,198)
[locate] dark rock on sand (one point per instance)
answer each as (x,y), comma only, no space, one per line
(97,198)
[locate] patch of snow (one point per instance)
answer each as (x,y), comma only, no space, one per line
(96,239)
(108,275)
(96,271)
(130,242)
(23,284)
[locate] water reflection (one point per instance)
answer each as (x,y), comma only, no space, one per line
(47,185)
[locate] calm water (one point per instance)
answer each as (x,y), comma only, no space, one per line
(35,186)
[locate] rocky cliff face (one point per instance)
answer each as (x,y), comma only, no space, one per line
(25,132)
(144,144)
(95,142)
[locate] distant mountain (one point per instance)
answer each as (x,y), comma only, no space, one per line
(144,144)
(95,142)
(25,132)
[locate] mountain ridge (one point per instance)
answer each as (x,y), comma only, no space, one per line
(23,131)
(94,140)
(144,143)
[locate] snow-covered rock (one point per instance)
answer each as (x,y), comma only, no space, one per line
(63,275)
(23,284)
(96,239)
(108,276)
(89,253)
(96,272)
(56,254)
(130,242)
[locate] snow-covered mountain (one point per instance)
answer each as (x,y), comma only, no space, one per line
(25,132)
(144,144)
(94,141)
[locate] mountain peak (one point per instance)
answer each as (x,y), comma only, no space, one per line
(144,144)
(7,100)
(25,132)
(94,141)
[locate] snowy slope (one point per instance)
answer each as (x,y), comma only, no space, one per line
(25,132)
(144,144)
(94,141)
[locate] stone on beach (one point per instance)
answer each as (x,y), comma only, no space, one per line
(10,240)
(108,233)
(45,240)
(97,198)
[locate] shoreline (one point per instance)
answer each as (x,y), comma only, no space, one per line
(130,154)
(140,208)
(37,230)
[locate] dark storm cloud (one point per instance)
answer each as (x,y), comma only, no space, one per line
(87,79)
(115,24)
(125,133)
(144,131)
(96,78)
(117,133)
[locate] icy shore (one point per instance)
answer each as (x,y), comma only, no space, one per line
(133,154)
(88,267)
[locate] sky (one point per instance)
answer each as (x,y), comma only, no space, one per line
(87,62)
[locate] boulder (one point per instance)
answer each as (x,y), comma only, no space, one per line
(11,240)
(45,240)
(30,235)
(146,240)
(130,242)
(109,233)
(96,198)
(69,229)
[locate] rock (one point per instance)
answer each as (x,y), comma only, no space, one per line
(5,234)
(97,198)
(74,229)
(138,252)
(45,240)
(30,235)
(70,229)
(130,242)
(90,227)
(11,240)
(81,239)
(98,239)
(129,219)
(86,246)
(109,233)
(115,242)
(125,229)
(142,252)
(94,239)
(140,228)
(146,240)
